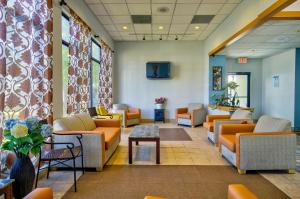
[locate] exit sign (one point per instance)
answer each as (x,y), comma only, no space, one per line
(242,60)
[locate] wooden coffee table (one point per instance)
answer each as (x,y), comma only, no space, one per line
(144,133)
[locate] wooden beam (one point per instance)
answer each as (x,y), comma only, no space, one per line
(287,15)
(259,20)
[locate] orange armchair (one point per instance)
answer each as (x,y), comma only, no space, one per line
(239,191)
(40,193)
(268,145)
(192,115)
(132,116)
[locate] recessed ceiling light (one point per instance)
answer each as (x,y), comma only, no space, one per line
(197,27)
(125,27)
(160,27)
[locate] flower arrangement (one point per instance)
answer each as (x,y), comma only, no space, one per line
(24,136)
(160,100)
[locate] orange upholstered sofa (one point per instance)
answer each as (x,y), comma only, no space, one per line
(268,145)
(100,137)
(239,191)
(40,193)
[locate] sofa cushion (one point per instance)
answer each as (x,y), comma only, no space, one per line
(194,106)
(271,124)
(228,141)
(132,116)
(241,114)
(87,121)
(184,115)
(111,134)
(102,110)
(70,123)
(209,126)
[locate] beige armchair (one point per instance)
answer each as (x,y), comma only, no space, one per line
(193,115)
(131,116)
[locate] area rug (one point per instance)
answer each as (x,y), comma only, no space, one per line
(172,182)
(174,134)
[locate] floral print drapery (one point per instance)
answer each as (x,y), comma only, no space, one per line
(25,59)
(105,91)
(79,65)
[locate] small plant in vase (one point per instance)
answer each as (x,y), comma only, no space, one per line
(159,102)
(24,137)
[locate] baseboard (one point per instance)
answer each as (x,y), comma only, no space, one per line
(151,121)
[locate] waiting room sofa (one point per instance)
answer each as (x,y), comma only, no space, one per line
(131,116)
(193,115)
(100,137)
(268,145)
(213,123)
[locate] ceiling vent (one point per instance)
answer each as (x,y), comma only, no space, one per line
(141,19)
(202,19)
(163,10)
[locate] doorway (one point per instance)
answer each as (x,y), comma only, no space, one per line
(243,91)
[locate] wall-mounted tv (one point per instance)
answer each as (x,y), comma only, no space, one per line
(158,70)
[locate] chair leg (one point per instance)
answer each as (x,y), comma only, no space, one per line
(37,175)
(74,169)
(241,171)
(291,171)
(49,164)
(82,167)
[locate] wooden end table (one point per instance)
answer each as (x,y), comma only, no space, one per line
(6,188)
(144,133)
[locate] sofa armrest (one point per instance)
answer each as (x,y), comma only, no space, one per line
(269,150)
(239,191)
(211,118)
(181,110)
(107,123)
(40,193)
(219,122)
(134,110)
(236,128)
(198,116)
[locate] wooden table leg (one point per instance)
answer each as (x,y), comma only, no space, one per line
(158,151)
(130,150)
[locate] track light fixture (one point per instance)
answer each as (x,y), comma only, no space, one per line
(176,38)
(96,36)
(160,38)
(144,38)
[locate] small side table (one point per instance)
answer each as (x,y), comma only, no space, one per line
(159,115)
(6,188)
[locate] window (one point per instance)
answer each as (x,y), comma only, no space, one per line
(65,27)
(95,71)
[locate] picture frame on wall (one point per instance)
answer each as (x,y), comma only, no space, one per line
(217,78)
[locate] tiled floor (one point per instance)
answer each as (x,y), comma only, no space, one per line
(197,152)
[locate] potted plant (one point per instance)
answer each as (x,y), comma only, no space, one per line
(24,137)
(229,97)
(159,102)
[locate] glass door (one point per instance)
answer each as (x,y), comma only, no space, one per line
(243,91)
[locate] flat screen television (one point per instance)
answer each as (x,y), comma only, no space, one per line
(158,70)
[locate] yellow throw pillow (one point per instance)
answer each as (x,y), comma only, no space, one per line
(102,110)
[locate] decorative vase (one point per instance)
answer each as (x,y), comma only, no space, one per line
(23,172)
(159,106)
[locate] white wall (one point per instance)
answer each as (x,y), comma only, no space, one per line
(133,88)
(279,102)
(254,66)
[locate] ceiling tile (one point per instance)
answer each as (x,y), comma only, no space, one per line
(163,1)
(233,1)
(98,9)
(129,37)
(120,27)
(214,1)
(185,9)
(142,28)
(114,34)
(209,9)
(117,9)
(218,18)
(138,1)
(155,9)
(110,28)
(121,19)
(189,1)
(182,19)
(92,1)
(161,19)
(178,28)
(113,1)
(105,20)
(227,8)
(200,27)
(156,30)
(139,9)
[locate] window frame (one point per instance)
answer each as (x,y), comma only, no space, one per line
(91,68)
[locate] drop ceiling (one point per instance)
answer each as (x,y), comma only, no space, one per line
(176,23)
(271,38)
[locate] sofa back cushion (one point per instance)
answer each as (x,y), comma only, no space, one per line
(194,106)
(241,114)
(120,107)
(271,124)
(70,123)
(87,121)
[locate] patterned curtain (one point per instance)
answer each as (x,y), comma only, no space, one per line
(25,59)
(105,93)
(80,63)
